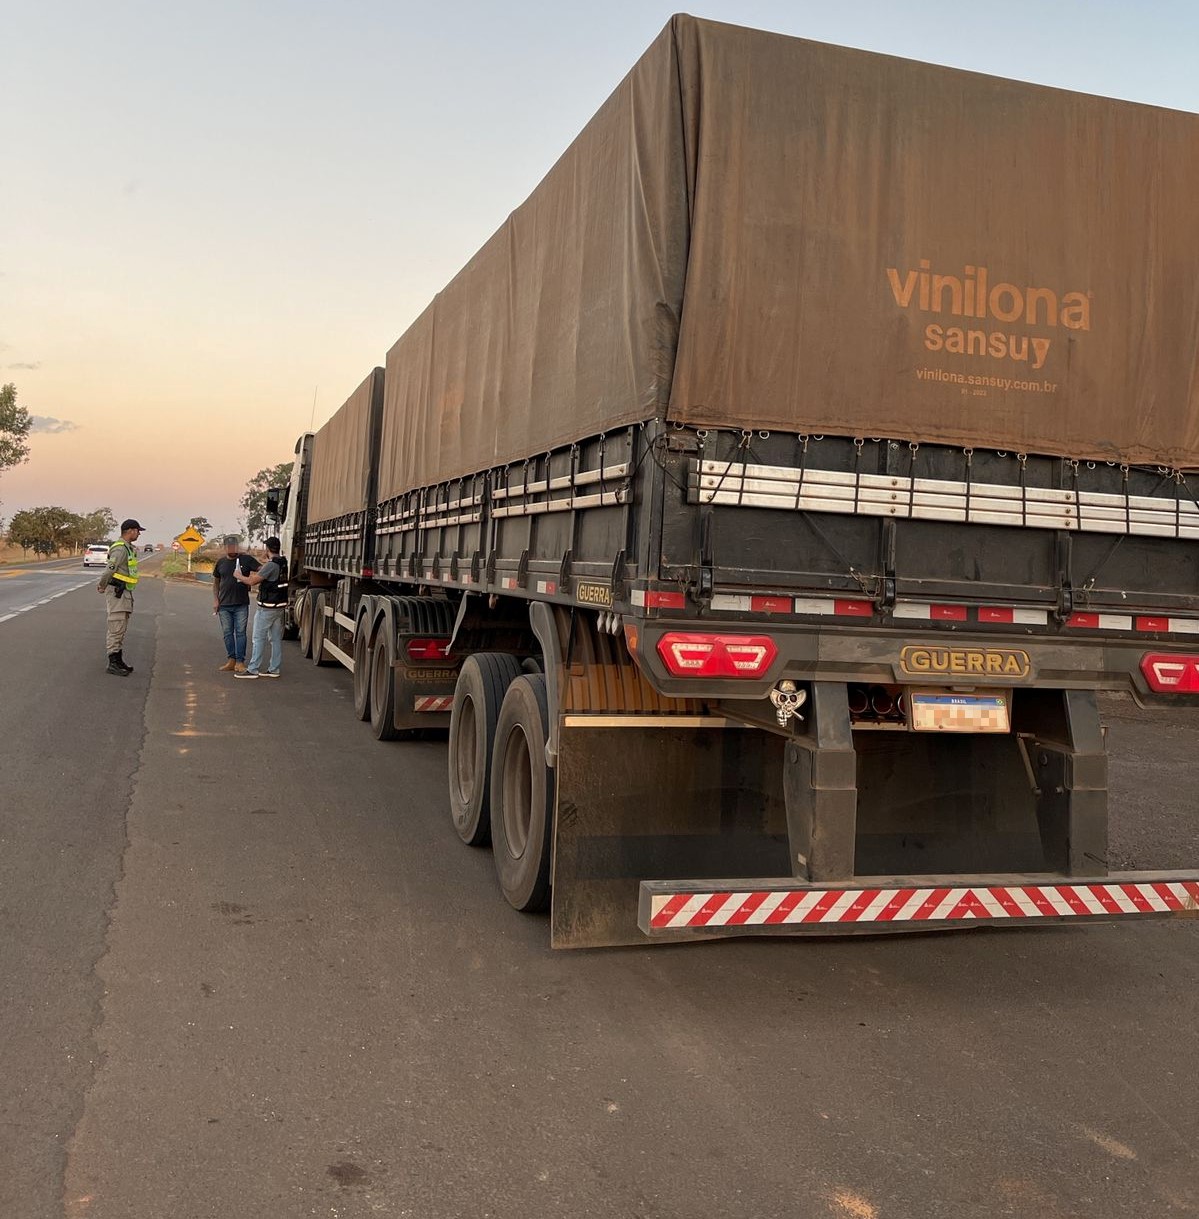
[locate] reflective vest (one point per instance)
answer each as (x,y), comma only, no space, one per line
(131,579)
(272,594)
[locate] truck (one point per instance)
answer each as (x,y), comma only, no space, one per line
(765,507)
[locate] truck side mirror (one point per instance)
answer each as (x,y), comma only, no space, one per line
(276,498)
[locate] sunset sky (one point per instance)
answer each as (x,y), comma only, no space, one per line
(216,218)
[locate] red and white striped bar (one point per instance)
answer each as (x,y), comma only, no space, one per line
(433,702)
(749,908)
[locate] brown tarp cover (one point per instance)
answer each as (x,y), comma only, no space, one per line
(764,232)
(341,455)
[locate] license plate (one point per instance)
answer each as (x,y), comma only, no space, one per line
(942,711)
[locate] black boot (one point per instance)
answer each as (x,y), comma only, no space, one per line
(115,667)
(121,661)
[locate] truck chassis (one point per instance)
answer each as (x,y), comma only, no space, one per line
(645,804)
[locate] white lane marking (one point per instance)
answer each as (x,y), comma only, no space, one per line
(24,609)
(63,573)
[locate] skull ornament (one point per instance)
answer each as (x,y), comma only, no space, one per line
(787,700)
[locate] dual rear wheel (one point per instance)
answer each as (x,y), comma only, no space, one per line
(382,696)
(363,662)
(500,786)
(304,614)
(320,627)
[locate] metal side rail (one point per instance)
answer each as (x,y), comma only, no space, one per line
(692,909)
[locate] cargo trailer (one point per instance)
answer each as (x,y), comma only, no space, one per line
(765,506)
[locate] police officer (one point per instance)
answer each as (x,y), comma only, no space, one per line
(116,586)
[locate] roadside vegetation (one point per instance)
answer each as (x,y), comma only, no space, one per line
(203,561)
(52,531)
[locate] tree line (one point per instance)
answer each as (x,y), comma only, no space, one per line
(53,530)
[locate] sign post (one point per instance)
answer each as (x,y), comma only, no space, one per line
(191,540)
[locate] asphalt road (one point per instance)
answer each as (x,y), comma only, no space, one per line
(246,969)
(24,587)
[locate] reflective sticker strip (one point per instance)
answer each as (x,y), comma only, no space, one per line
(1171,626)
(508,582)
(1012,614)
(437,702)
(547,588)
(837,607)
(924,611)
(654,598)
(789,907)
(736,605)
(930,613)
(1100,622)
(773,603)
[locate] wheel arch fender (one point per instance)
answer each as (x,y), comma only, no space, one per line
(551,626)
(364,616)
(382,619)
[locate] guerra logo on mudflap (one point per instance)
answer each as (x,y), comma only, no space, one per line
(594,594)
(923,660)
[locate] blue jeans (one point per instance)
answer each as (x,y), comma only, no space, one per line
(233,625)
(268,626)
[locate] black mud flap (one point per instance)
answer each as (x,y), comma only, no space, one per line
(638,802)
(424,697)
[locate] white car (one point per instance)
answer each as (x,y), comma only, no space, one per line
(95,556)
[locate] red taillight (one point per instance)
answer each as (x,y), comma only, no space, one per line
(1170,674)
(422,651)
(693,655)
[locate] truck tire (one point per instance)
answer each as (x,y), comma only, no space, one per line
(522,796)
(363,659)
(478,696)
(304,605)
(383,690)
(319,625)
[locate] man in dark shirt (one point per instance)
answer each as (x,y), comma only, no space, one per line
(231,602)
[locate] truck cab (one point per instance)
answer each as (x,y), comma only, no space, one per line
(287,507)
